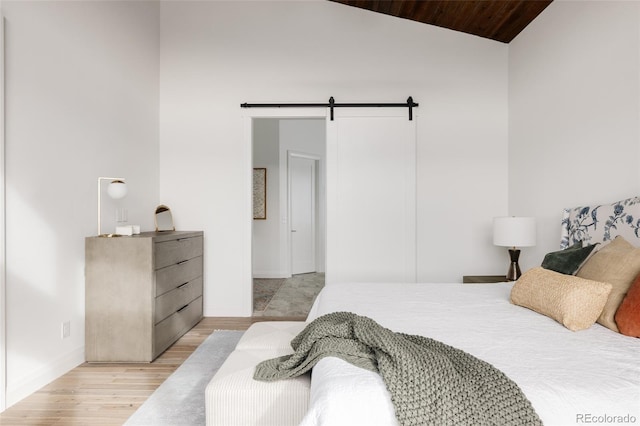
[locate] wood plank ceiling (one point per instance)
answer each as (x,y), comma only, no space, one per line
(499,20)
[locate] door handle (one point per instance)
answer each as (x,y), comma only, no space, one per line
(293,230)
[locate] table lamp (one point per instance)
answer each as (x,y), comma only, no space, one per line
(117,189)
(514,232)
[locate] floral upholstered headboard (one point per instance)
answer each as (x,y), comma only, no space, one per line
(597,224)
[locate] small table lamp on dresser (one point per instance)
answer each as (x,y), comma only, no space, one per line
(514,232)
(117,189)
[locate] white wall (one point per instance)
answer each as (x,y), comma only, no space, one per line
(81,102)
(217,55)
(573,113)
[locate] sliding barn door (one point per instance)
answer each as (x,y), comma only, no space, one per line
(371,196)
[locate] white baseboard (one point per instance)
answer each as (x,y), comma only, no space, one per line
(44,375)
(209,310)
(270,274)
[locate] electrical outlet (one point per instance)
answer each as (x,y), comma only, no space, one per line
(66,329)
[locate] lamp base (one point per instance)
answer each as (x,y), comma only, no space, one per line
(514,269)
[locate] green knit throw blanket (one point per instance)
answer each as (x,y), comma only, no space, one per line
(430,383)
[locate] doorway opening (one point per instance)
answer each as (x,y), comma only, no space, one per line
(288,244)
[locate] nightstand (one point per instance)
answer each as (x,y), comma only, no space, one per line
(483,279)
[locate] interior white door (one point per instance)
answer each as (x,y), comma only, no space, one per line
(371,196)
(302,181)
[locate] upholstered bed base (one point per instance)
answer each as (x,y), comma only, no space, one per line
(232,397)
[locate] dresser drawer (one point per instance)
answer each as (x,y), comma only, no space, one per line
(173,276)
(178,250)
(175,299)
(170,329)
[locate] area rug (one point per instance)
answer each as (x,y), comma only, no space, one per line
(180,399)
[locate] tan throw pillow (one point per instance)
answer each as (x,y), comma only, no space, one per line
(617,263)
(574,302)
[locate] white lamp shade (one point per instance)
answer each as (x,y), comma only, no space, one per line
(117,189)
(514,231)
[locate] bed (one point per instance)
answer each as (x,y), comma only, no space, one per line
(591,376)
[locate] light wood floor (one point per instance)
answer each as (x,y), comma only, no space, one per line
(107,394)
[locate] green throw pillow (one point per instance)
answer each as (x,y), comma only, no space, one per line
(569,260)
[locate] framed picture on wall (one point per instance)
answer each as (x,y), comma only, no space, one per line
(259,193)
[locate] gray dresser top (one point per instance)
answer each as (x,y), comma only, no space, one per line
(161,236)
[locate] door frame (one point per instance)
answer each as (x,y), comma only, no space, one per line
(3,263)
(316,176)
(248,115)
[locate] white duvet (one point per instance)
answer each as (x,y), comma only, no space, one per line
(571,378)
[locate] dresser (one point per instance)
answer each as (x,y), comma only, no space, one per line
(142,293)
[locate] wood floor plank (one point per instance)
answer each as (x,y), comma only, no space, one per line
(103,394)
